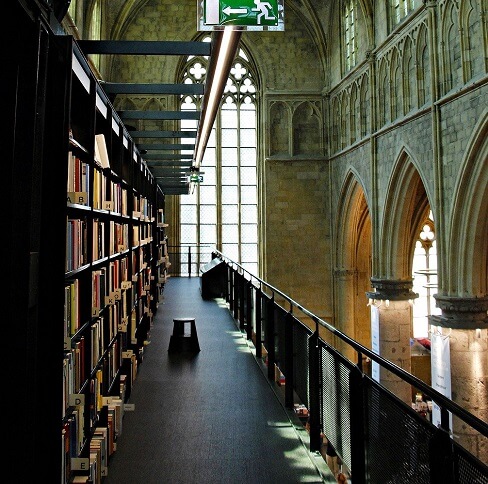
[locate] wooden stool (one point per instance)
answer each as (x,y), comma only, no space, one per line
(181,340)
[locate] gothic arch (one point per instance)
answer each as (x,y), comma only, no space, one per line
(404,210)
(423,67)
(307,126)
(280,125)
(452,51)
(468,247)
(353,260)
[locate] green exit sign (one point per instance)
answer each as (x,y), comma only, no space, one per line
(255,14)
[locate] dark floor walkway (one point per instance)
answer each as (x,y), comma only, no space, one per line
(210,418)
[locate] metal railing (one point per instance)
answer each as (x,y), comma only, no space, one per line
(380,438)
(187,259)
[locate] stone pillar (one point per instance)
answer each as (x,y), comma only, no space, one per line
(345,311)
(392,300)
(467,319)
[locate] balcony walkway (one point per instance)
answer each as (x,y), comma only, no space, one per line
(212,417)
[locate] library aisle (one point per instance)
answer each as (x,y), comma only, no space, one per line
(211,417)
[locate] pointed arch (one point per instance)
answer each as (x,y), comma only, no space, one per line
(396,92)
(353,195)
(280,125)
(468,247)
(364,106)
(472,36)
(409,76)
(353,113)
(423,67)
(405,208)
(452,51)
(383,93)
(353,259)
(223,213)
(307,127)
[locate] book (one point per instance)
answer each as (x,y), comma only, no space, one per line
(101,153)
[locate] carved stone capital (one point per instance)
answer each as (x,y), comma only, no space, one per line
(461,312)
(392,290)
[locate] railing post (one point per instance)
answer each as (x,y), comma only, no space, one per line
(441,453)
(314,393)
(189,261)
(231,288)
(289,380)
(259,330)
(358,428)
(249,310)
(270,337)
(242,303)
(236,294)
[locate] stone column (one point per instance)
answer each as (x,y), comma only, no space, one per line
(467,319)
(392,299)
(345,310)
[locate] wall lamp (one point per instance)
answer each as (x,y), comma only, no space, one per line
(223,50)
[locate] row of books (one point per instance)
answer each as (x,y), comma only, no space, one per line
(103,443)
(89,186)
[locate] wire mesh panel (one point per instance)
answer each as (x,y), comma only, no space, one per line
(397,439)
(336,398)
(468,468)
(301,334)
(280,347)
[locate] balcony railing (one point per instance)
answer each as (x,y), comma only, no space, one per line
(380,438)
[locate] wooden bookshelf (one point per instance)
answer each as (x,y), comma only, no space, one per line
(111,279)
(83,255)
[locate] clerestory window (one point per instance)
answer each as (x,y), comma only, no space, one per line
(400,9)
(350,34)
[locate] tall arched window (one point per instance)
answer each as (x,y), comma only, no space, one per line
(425,278)
(350,39)
(222,211)
(399,10)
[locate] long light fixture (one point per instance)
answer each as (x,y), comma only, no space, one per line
(223,50)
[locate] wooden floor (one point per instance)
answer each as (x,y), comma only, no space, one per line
(210,417)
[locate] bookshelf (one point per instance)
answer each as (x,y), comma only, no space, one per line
(83,258)
(112,277)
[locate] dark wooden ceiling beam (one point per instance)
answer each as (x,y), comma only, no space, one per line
(162,134)
(143,47)
(154,88)
(158,115)
(168,146)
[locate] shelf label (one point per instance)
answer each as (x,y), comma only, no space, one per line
(80,464)
(109,300)
(117,294)
(121,248)
(108,205)
(122,328)
(126,284)
(76,399)
(80,198)
(95,311)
